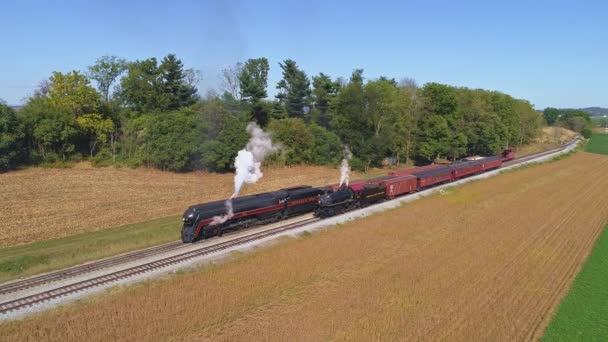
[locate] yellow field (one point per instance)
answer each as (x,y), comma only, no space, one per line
(39,204)
(488,261)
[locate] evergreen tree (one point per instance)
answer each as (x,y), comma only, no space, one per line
(294,90)
(324,92)
(179,92)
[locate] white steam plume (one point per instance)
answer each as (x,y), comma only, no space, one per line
(345,167)
(248,165)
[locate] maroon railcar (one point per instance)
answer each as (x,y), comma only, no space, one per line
(406,172)
(508,155)
(396,186)
(468,168)
(490,163)
(433,177)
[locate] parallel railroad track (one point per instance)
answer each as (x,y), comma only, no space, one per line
(61,291)
(86,268)
(58,292)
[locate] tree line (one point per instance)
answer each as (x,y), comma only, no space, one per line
(577,120)
(149,113)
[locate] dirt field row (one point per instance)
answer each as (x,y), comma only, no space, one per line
(38,204)
(488,261)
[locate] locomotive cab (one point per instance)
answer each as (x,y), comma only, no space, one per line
(337,202)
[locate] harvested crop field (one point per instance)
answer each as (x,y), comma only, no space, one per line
(491,264)
(38,204)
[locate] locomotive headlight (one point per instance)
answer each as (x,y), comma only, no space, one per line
(191,215)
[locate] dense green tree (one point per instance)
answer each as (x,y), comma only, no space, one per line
(440,99)
(10,138)
(105,71)
(295,137)
(294,90)
(97,128)
(433,137)
(72,93)
(225,135)
(253,80)
(381,101)
(304,143)
(142,87)
(169,140)
(327,148)
(50,132)
(371,118)
(551,115)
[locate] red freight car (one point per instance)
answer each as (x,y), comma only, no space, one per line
(406,172)
(396,186)
(433,177)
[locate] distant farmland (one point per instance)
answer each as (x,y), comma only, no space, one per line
(583,314)
(598,144)
(488,261)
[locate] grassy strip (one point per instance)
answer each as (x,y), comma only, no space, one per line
(47,255)
(598,144)
(583,314)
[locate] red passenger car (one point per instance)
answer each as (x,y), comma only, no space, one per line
(433,177)
(490,163)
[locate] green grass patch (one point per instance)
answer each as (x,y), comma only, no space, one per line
(583,314)
(598,144)
(48,255)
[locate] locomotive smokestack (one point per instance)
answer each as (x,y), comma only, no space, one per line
(248,165)
(345,167)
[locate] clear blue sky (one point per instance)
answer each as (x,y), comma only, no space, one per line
(553,53)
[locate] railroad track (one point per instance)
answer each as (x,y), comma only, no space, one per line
(87,268)
(540,154)
(61,291)
(58,292)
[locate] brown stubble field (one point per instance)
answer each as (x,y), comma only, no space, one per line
(38,204)
(488,261)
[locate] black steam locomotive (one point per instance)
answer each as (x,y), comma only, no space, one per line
(248,210)
(208,219)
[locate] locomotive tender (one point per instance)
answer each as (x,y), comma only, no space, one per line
(198,220)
